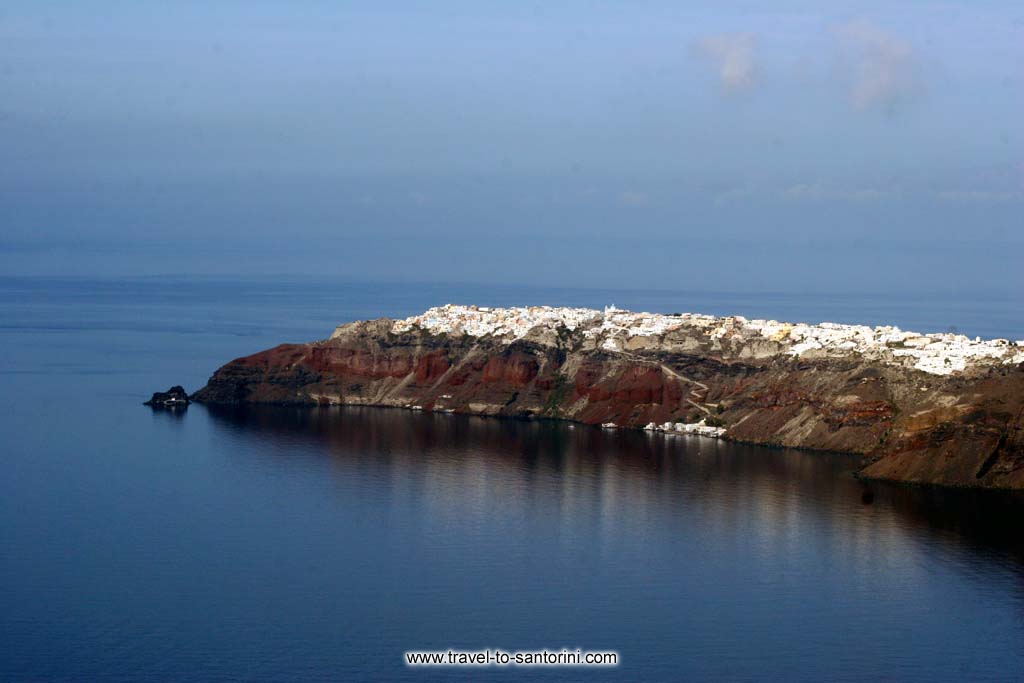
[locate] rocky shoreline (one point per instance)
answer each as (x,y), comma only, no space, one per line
(928,409)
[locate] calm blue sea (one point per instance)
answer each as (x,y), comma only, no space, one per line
(287,544)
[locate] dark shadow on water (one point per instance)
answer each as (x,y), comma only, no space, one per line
(666,471)
(176,414)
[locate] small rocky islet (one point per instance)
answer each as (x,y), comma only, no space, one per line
(174,398)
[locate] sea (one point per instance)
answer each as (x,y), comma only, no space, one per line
(283,544)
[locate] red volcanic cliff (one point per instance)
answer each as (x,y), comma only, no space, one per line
(957,430)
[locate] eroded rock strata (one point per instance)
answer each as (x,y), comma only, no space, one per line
(934,409)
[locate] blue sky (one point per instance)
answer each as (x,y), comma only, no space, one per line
(646,144)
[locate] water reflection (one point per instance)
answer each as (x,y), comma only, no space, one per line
(778,496)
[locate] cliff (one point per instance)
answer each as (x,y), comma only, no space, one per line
(934,409)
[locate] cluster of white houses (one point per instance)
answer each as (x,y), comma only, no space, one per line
(941,353)
(481,321)
(691,428)
(698,428)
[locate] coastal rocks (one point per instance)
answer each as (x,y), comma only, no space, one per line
(961,428)
(174,398)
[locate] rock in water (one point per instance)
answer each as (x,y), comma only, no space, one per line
(175,397)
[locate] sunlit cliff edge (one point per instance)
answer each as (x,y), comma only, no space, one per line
(925,408)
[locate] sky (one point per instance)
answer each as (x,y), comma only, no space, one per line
(869,146)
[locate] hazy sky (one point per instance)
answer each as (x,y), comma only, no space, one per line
(650,144)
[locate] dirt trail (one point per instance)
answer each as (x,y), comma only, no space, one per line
(698,396)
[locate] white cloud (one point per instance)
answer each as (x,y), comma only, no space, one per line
(633,198)
(732,55)
(735,195)
(803,192)
(816,192)
(979,196)
(881,68)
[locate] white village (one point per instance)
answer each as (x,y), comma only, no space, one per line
(943,353)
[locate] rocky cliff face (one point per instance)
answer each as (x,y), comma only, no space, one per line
(957,429)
